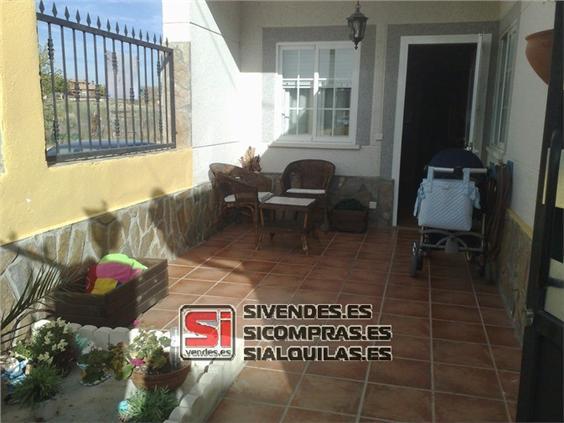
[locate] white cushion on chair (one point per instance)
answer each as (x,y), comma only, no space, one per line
(262,197)
(305,191)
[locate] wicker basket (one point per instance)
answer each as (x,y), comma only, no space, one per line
(170,380)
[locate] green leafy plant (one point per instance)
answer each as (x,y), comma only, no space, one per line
(38,287)
(52,344)
(150,406)
(97,363)
(118,363)
(41,384)
(146,353)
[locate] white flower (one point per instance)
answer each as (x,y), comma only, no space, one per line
(66,330)
(44,357)
(47,341)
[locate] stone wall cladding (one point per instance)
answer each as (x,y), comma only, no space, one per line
(163,227)
(511,270)
(361,188)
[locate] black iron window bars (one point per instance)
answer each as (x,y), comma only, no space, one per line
(113,93)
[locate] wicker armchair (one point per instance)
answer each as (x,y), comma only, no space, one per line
(309,178)
(261,182)
(237,194)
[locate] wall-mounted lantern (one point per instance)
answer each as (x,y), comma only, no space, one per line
(357,25)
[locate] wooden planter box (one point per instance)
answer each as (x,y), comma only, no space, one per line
(349,220)
(119,307)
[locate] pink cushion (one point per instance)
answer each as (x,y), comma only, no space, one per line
(120,272)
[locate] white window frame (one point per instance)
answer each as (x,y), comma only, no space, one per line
(505,69)
(313,139)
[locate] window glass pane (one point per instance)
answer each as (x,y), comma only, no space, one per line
(336,63)
(341,123)
(307,61)
(290,61)
(304,122)
(306,94)
(290,94)
(292,118)
(343,98)
(325,94)
(325,123)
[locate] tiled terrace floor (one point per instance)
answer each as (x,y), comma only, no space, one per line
(455,354)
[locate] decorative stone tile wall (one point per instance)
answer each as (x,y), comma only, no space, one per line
(363,189)
(511,269)
(162,227)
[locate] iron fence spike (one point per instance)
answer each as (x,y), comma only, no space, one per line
(108,26)
(161,40)
(166,41)
(141,35)
(67,13)
(125,30)
(117,27)
(133,32)
(54,10)
(154,39)
(77,17)
(88,20)
(98,23)
(147,38)
(41,6)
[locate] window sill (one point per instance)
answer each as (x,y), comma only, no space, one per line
(319,145)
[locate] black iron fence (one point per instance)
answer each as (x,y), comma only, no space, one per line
(104,92)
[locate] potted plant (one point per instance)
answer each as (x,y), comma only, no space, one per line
(152,366)
(119,365)
(250,160)
(38,390)
(148,406)
(52,344)
(95,366)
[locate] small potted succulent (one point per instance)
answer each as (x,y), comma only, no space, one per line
(38,390)
(152,364)
(52,344)
(95,366)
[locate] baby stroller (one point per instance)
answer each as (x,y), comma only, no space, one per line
(445,207)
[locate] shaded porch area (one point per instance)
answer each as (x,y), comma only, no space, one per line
(455,354)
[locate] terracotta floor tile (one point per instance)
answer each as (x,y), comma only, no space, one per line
(406,308)
(333,262)
(510,384)
(379,265)
(230,411)
(406,325)
(363,288)
(411,293)
(156,319)
(382,402)
(282,366)
(263,385)
(466,380)
(322,284)
(190,259)
(507,358)
(489,300)
(399,371)
(247,278)
(313,296)
(419,280)
(281,281)
(192,287)
(216,300)
(455,313)
(255,266)
(208,274)
(453,297)
(342,369)
(222,263)
(178,271)
(502,336)
(297,270)
(459,331)
(234,290)
(329,273)
(495,317)
(455,284)
(272,294)
(296,415)
(463,353)
(328,394)
(175,301)
(345,298)
(456,408)
(485,288)
(411,347)
(362,275)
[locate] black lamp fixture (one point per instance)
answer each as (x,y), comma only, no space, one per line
(357,25)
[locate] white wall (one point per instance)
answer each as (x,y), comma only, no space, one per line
(526,118)
(256,15)
(216,111)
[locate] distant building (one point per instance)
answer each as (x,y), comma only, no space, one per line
(82,88)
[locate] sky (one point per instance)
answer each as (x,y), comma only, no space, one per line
(145,15)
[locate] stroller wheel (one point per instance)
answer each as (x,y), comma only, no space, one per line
(416,259)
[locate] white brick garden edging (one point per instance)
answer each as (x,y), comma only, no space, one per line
(201,391)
